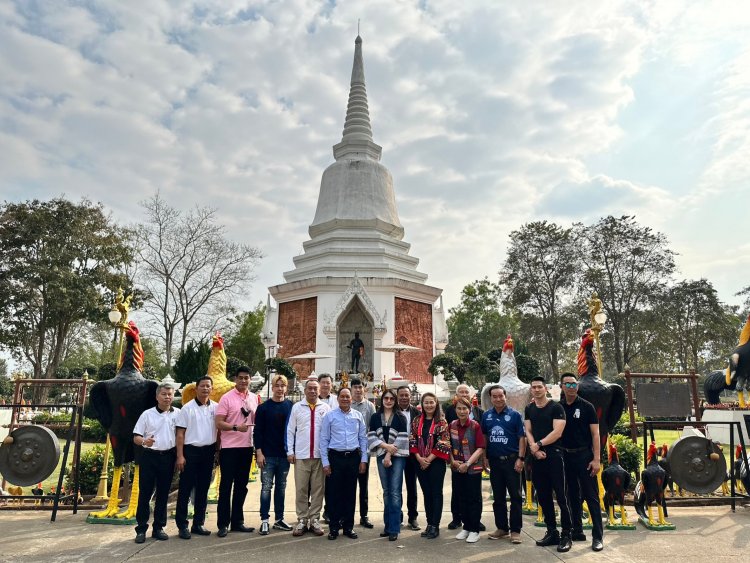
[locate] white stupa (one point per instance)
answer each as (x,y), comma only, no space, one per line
(356,274)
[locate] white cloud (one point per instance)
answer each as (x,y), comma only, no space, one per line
(487,112)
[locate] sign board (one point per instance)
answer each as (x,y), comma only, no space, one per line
(663,399)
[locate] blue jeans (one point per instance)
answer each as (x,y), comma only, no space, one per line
(276,468)
(391,479)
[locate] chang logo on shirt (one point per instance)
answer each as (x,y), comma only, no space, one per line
(498,436)
(577,413)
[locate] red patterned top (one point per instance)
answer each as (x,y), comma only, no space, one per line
(438,441)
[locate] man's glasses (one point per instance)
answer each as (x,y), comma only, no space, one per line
(570,385)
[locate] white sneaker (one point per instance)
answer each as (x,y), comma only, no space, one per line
(462,535)
(473,537)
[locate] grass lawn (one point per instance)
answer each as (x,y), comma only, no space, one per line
(51,481)
(670,436)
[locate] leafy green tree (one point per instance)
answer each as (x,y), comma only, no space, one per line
(479,321)
(243,339)
(527,367)
(470,355)
(539,278)
(233,364)
(193,362)
(452,365)
(481,370)
(56,259)
(106,371)
(281,366)
(628,265)
(3,367)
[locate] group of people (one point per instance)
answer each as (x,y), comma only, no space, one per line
(329,440)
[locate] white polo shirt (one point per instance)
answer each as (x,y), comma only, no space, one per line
(158,425)
(198,422)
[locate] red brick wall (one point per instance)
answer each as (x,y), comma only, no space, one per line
(413,326)
(297,331)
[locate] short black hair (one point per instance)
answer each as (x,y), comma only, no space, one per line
(539,378)
(355,381)
(323,376)
(242,369)
(568,374)
(204,378)
(491,389)
(403,387)
(343,389)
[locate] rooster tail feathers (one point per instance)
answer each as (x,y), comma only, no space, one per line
(616,407)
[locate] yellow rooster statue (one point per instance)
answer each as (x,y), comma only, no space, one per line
(217,371)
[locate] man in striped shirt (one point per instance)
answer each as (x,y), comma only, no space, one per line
(303,451)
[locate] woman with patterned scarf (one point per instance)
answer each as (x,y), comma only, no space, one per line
(429,442)
(467,449)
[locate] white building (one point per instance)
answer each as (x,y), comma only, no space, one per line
(356,274)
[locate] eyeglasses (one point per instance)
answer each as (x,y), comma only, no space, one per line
(570,385)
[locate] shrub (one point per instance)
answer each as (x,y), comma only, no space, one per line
(450,363)
(92,430)
(527,367)
(281,366)
(622,427)
(471,354)
(629,453)
(89,471)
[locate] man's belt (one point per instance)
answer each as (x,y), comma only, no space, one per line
(160,452)
(343,453)
(576,450)
(504,457)
(212,446)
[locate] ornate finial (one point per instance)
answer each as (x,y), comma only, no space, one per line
(357,135)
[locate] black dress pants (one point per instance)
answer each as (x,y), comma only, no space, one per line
(469,492)
(235,474)
(548,475)
(156,471)
(503,477)
(582,486)
(362,482)
(431,483)
(410,478)
(343,483)
(455,502)
(199,463)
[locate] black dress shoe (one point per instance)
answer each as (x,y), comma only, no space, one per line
(222,533)
(427,531)
(140,538)
(184,534)
(365,521)
(578,536)
(200,531)
(435,532)
(392,537)
(597,545)
(242,528)
(482,527)
(565,543)
(550,538)
(351,534)
(333,535)
(384,534)
(414,526)
(159,534)
(325,517)
(454,525)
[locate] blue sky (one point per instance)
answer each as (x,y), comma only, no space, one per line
(490,114)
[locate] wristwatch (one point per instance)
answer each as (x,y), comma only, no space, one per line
(234,428)
(539,444)
(521,457)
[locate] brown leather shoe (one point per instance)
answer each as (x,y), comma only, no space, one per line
(315,528)
(498,534)
(515,537)
(299,529)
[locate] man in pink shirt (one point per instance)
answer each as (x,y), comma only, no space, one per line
(235,417)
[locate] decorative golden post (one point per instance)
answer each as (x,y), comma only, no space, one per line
(598,317)
(118,316)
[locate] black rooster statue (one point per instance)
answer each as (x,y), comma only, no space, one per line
(616,481)
(650,491)
(740,472)
(737,374)
(608,398)
(117,404)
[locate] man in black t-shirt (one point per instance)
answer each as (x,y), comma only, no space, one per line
(545,422)
(580,442)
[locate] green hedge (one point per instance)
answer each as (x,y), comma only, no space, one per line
(92,430)
(629,453)
(90,469)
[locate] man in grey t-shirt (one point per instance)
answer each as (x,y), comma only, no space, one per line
(361,404)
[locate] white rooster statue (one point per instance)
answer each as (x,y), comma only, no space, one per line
(517,392)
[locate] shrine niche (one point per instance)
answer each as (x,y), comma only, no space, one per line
(354,319)
(297,329)
(413,326)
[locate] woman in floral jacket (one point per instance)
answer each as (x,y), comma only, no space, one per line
(429,442)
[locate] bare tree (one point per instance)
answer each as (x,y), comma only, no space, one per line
(190,270)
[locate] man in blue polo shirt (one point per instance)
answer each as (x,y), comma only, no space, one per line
(506,444)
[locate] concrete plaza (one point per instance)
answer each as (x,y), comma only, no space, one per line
(703,534)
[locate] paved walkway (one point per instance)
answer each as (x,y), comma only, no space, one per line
(712,534)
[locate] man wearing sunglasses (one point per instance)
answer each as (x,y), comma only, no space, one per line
(580,444)
(235,417)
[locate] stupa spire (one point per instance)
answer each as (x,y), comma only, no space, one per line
(356,142)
